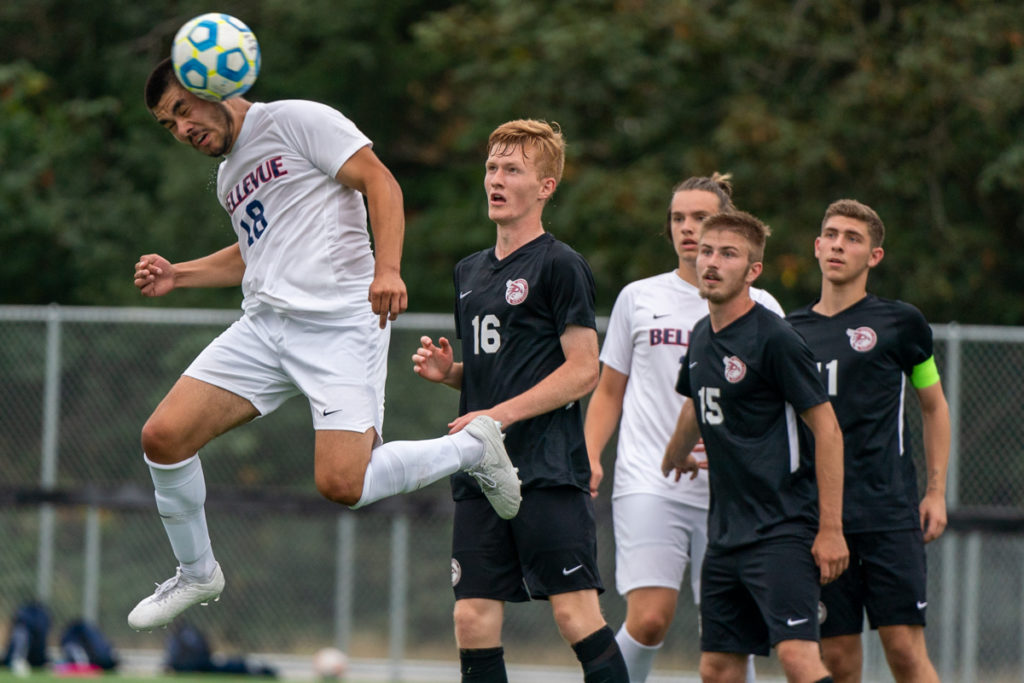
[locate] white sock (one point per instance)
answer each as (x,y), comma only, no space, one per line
(639,658)
(751,677)
(180,500)
(404,466)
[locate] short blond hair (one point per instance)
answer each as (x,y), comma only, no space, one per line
(744,224)
(851,208)
(546,138)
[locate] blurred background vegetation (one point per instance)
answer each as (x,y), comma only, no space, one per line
(914,108)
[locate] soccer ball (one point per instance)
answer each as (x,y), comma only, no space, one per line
(215,56)
(330,664)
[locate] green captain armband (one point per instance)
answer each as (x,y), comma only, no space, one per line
(925,374)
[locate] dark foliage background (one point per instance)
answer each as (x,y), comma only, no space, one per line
(914,108)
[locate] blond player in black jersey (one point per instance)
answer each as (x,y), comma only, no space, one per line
(867,348)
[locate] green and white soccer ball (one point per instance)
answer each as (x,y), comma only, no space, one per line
(216,56)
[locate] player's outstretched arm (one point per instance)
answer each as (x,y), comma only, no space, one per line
(679,451)
(156,276)
(829,549)
(936,432)
(366,173)
(603,414)
(435,363)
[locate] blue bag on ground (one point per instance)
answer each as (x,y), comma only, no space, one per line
(29,630)
(83,643)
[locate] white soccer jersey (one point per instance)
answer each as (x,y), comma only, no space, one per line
(648,334)
(303,235)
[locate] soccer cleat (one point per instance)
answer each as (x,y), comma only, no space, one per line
(174,596)
(497,477)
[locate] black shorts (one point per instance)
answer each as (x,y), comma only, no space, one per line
(754,597)
(888,578)
(549,548)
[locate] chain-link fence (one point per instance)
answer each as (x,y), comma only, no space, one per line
(78,528)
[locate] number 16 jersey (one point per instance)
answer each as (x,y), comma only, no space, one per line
(509,315)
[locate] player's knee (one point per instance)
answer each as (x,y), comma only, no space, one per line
(716,669)
(649,627)
(841,664)
(338,488)
(906,662)
(160,442)
(474,628)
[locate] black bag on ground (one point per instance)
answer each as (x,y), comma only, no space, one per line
(84,643)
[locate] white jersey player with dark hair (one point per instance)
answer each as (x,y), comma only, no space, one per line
(867,349)
(660,525)
(316,302)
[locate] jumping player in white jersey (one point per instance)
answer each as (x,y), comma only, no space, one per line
(293,179)
(867,348)
(525,315)
(648,332)
(775,515)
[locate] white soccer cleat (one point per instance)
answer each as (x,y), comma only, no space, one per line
(174,596)
(497,477)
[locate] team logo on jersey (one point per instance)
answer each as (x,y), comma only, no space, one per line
(456,572)
(862,339)
(516,291)
(735,369)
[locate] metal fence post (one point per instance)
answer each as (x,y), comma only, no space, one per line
(399,594)
(344,580)
(48,464)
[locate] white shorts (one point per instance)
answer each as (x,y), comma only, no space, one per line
(655,539)
(339,365)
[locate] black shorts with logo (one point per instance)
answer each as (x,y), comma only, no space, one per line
(887,578)
(549,548)
(758,595)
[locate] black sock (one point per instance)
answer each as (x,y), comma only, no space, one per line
(601,659)
(826,679)
(484,665)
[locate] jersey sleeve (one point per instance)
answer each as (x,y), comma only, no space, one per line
(319,133)
(916,344)
(683,379)
(795,369)
(617,351)
(572,291)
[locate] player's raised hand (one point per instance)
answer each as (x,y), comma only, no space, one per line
(433,362)
(388,296)
(154,275)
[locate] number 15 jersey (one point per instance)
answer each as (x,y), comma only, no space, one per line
(509,315)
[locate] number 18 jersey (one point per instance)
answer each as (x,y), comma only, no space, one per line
(509,315)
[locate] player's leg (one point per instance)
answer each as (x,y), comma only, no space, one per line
(485,574)
(732,627)
(723,667)
(341,367)
(907,654)
(841,619)
(783,581)
(896,600)
(556,537)
(191,414)
(233,380)
(654,539)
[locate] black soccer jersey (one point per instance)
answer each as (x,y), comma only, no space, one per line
(509,315)
(749,382)
(864,354)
